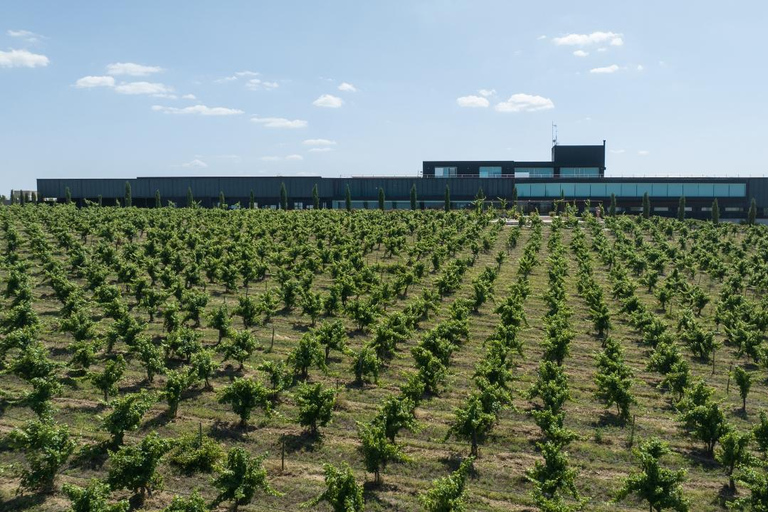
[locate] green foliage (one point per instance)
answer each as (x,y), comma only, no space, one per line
(473,421)
(447,494)
(194,503)
(681,209)
(756,480)
(715,212)
(377,450)
(107,380)
(176,382)
(342,492)
(733,452)
(240,347)
(46,447)
(196,453)
(307,353)
(705,422)
(283,197)
(150,355)
(126,414)
(135,467)
(366,365)
(241,477)
(202,366)
(244,395)
(395,414)
(743,380)
(654,484)
(553,479)
(93,498)
(315,405)
(332,336)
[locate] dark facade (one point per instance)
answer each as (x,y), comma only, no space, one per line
(733,194)
(566,162)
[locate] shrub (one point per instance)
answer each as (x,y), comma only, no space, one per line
(241,477)
(135,467)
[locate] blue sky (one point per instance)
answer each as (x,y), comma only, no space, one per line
(349,88)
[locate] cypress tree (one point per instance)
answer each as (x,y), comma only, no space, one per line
(13,198)
(22,198)
(413,197)
(158,202)
(67,195)
(251,201)
(715,212)
(514,197)
(315,198)
(681,209)
(646,206)
(348,199)
(222,200)
(128,198)
(100,200)
(612,208)
(752,215)
(381,198)
(283,197)
(447,198)
(190,198)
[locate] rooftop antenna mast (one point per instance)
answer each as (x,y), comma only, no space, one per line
(554,134)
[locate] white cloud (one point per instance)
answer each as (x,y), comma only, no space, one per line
(640,67)
(472,101)
(143,88)
(195,164)
(279,122)
(347,87)
(225,79)
(294,157)
(605,70)
(589,39)
(22,59)
(487,92)
(580,53)
(541,38)
(26,35)
(246,73)
(131,69)
(321,150)
(602,49)
(319,142)
(328,101)
(643,152)
(255,84)
(189,97)
(201,110)
(88,82)
(616,151)
(525,103)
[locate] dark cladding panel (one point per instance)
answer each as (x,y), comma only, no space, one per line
(579,156)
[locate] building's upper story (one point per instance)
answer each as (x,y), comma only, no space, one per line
(567,162)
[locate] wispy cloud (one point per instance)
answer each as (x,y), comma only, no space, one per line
(200,110)
(522,102)
(279,122)
(347,87)
(25,35)
(643,152)
(611,38)
(580,53)
(133,88)
(605,70)
(22,59)
(131,69)
(89,82)
(255,84)
(319,142)
(320,150)
(328,101)
(195,164)
(472,102)
(487,93)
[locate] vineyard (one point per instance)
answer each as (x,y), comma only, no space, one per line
(188,359)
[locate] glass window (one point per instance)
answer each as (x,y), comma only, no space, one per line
(445,172)
(584,172)
(674,189)
(628,190)
(598,190)
(643,188)
(707,189)
(659,190)
(583,190)
(613,188)
(537,190)
(737,189)
(534,172)
(568,189)
(691,189)
(721,189)
(490,172)
(552,190)
(523,190)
